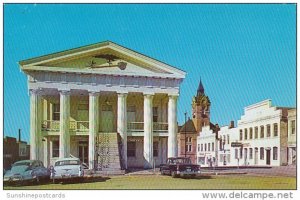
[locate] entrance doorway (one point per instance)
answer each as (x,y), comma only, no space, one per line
(83,151)
(107,117)
(256,156)
(268,161)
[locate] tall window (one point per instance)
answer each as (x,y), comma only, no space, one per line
(212,146)
(250,153)
(236,153)
(228,139)
(275,129)
(189,144)
(262,153)
(268,130)
(246,134)
(208,146)
(198,147)
(262,131)
(201,147)
(205,147)
(256,132)
(155,149)
(275,153)
(55,148)
(293,127)
(251,133)
(56,109)
(241,134)
(241,153)
(131,148)
(155,114)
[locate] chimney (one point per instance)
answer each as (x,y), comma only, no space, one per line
(231,125)
(19,135)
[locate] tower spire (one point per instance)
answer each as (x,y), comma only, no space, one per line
(200,90)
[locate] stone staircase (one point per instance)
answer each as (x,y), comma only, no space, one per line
(108,154)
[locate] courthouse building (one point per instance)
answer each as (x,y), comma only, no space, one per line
(110,106)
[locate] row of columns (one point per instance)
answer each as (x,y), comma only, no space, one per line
(64,141)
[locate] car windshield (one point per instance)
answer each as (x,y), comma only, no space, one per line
(67,162)
(20,167)
(22,164)
(180,160)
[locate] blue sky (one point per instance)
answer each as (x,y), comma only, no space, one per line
(244,53)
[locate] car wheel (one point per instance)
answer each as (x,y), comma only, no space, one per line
(173,174)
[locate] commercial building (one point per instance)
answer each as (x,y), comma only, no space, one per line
(110,106)
(14,150)
(292,143)
(261,138)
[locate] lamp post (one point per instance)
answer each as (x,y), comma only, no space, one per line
(185,134)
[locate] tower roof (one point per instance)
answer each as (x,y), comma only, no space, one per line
(200,88)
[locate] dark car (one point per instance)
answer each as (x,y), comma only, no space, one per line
(27,170)
(179,166)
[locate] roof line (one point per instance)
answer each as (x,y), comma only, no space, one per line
(74,50)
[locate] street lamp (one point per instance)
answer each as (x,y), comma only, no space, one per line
(185,134)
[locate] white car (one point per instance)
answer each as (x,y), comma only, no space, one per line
(66,168)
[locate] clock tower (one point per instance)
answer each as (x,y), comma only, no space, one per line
(201,109)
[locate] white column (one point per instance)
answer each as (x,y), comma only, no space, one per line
(46,152)
(122,125)
(64,139)
(35,125)
(172,129)
(93,126)
(148,131)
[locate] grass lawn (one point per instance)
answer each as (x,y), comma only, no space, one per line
(166,182)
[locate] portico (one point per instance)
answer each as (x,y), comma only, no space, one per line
(85,111)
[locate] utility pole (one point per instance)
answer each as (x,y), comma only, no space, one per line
(185,134)
(217,141)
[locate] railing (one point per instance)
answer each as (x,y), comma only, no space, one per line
(135,126)
(53,125)
(139,126)
(50,125)
(160,126)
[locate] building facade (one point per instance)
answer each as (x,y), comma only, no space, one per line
(206,147)
(187,135)
(263,133)
(292,144)
(105,104)
(261,138)
(14,150)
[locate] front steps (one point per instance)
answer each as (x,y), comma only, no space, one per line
(108,158)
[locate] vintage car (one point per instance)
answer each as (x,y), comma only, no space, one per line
(27,170)
(179,166)
(66,168)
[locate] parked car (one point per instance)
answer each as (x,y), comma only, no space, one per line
(179,166)
(66,168)
(26,170)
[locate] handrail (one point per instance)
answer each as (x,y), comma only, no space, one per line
(139,126)
(54,125)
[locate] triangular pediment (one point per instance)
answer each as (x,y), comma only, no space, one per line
(103,58)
